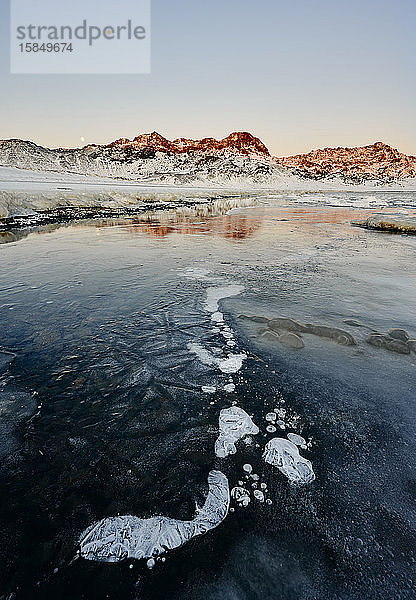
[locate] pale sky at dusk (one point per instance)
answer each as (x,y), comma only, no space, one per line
(299,74)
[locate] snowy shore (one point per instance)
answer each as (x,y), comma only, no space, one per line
(24,192)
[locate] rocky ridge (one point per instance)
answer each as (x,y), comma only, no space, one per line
(240,155)
(376,161)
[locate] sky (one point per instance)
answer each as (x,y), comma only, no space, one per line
(299,74)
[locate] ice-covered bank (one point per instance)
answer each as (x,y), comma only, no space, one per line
(26,191)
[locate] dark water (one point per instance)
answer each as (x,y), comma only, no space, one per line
(102,411)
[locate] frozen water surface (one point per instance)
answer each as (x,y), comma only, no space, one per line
(115,337)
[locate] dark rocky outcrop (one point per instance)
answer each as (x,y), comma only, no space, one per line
(389,224)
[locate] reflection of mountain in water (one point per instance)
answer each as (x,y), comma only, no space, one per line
(160,223)
(237,226)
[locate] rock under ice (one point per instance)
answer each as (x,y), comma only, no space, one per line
(116,538)
(234,424)
(284,455)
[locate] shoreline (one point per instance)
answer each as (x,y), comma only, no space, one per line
(24,192)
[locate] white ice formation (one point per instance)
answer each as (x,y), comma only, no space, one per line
(198,273)
(209,389)
(240,495)
(296,439)
(258,494)
(217,317)
(116,538)
(215,294)
(231,364)
(284,455)
(234,424)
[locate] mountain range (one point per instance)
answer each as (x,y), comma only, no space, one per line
(152,157)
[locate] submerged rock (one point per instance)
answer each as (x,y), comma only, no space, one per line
(288,339)
(332,333)
(269,335)
(116,538)
(378,340)
(234,424)
(411,344)
(399,334)
(284,455)
(353,323)
(398,346)
(287,324)
(254,318)
(291,340)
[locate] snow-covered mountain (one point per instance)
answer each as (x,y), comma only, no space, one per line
(376,161)
(239,157)
(152,158)
(147,144)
